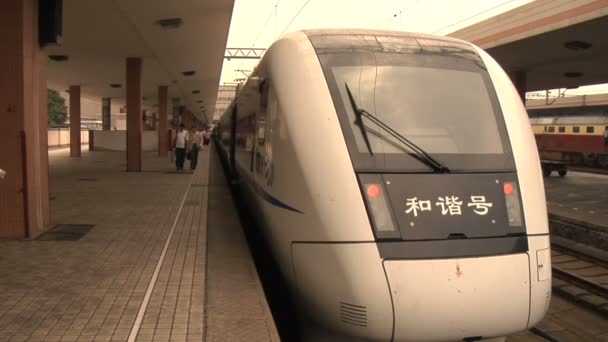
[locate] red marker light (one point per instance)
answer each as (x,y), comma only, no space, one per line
(508,188)
(373,191)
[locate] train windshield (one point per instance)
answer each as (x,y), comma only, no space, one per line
(438,96)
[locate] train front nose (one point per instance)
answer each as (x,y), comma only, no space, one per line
(455,253)
(454,299)
(350,289)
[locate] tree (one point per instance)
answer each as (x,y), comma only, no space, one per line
(58,111)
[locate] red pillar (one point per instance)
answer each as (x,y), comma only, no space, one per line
(163,149)
(75,142)
(91,140)
(24,194)
(134,117)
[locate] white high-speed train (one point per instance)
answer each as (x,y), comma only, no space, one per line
(397,181)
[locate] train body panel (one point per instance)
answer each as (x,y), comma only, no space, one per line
(277,172)
(522,142)
(370,235)
(309,140)
(571,143)
(345,285)
(457,295)
(539,255)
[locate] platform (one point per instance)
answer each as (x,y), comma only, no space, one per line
(578,207)
(579,196)
(163,258)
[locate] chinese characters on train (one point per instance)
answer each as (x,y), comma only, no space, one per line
(449,205)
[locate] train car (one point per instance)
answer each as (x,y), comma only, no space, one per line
(396,179)
(571,140)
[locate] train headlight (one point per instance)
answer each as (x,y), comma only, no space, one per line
(513,204)
(379,210)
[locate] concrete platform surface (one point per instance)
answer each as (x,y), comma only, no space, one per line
(581,197)
(165,260)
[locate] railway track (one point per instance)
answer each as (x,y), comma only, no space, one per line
(544,335)
(580,277)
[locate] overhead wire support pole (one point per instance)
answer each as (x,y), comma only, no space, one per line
(244,53)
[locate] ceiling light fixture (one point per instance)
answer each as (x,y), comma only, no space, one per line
(170,23)
(188,72)
(196,91)
(59,58)
(199,101)
(577,45)
(115,85)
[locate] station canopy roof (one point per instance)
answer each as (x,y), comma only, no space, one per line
(171,37)
(558,43)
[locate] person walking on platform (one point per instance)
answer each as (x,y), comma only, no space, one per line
(206,136)
(194,139)
(180,144)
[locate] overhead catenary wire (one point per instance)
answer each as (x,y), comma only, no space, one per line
(257,36)
(273,12)
(294,17)
(475,15)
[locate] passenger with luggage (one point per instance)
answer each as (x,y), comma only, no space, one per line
(194,139)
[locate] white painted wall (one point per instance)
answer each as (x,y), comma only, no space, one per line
(109,140)
(61,137)
(117,140)
(120,124)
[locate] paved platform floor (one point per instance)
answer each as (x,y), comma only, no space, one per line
(165,261)
(579,196)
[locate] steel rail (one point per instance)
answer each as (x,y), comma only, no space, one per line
(543,334)
(581,282)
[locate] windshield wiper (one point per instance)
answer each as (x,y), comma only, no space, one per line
(417,152)
(359,119)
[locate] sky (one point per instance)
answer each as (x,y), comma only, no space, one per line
(258,23)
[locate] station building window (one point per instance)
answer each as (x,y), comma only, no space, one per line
(590,129)
(576,129)
(551,129)
(562,129)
